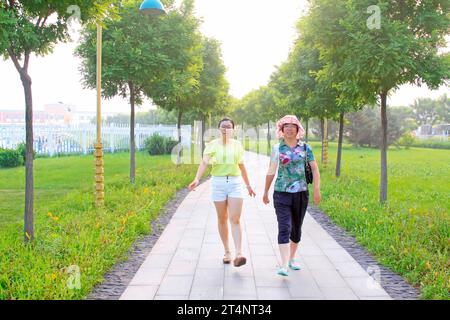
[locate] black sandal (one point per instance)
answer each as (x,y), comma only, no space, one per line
(240,261)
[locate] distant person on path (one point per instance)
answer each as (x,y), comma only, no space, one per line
(290,197)
(228,170)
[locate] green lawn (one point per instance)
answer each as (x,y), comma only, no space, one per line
(69,230)
(411,233)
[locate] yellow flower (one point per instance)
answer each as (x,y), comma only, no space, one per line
(53,276)
(364,209)
(54,218)
(104,239)
(428,265)
(146,190)
(411,210)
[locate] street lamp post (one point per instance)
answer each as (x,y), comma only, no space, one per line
(98,153)
(148,7)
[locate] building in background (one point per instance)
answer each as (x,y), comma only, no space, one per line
(434,131)
(59,114)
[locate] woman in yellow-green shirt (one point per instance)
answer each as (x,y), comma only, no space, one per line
(228,174)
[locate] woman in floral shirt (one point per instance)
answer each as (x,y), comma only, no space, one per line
(291,194)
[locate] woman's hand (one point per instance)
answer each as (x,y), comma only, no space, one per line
(266,198)
(317,196)
(251,193)
(193,184)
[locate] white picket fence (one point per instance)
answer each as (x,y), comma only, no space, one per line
(54,140)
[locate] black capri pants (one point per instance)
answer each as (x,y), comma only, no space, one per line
(290,209)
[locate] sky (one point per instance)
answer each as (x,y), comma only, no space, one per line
(256,36)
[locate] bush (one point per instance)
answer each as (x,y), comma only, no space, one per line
(22,149)
(10,158)
(157,144)
(407,140)
(432,143)
(170,144)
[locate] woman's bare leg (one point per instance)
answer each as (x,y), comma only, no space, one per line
(293,249)
(235,210)
(284,254)
(222,222)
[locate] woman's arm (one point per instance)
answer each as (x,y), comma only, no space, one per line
(200,172)
(246,180)
(269,179)
(316,181)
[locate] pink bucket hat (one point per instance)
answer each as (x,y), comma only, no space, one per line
(289,119)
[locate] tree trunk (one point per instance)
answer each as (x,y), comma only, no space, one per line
(306,130)
(384,124)
(339,151)
(257,139)
(268,139)
(202,138)
(243,135)
(321,137)
(325,140)
(132,135)
(29,177)
(179,136)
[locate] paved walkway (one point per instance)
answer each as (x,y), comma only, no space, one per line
(186,262)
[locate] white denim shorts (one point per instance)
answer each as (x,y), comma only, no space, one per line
(228,186)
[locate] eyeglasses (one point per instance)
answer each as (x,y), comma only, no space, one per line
(226,127)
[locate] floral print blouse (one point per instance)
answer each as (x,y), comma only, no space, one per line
(291,166)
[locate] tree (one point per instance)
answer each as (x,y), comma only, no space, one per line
(364,126)
(136,51)
(302,62)
(324,87)
(372,50)
(317,95)
(28,27)
(176,90)
(151,117)
(443,105)
(238,112)
(213,86)
(266,110)
(429,111)
(251,112)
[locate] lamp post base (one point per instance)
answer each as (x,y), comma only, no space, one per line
(99,175)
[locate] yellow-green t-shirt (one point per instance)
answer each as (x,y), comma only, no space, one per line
(225,159)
